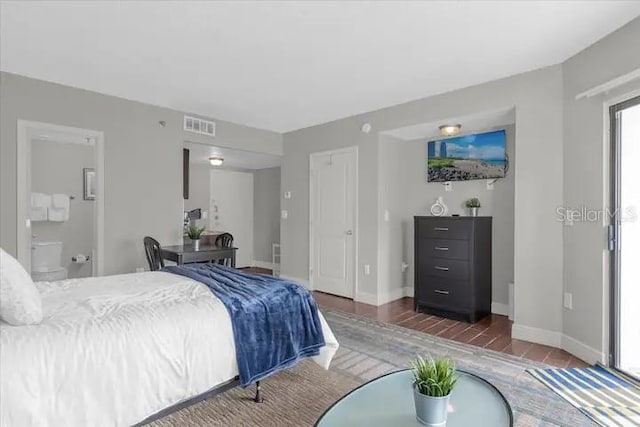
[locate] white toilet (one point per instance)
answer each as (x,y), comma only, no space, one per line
(46,258)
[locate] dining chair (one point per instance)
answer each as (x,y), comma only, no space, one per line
(154,253)
(224,240)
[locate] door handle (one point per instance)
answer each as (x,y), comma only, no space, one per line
(441,248)
(438,291)
(441,228)
(437,267)
(349,232)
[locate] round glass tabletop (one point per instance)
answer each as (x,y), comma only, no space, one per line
(388,401)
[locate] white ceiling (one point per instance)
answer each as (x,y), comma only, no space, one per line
(287,65)
(233,159)
(470,124)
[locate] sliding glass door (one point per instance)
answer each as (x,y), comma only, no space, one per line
(624,237)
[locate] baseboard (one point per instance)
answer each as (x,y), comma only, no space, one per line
(500,308)
(391,295)
(303,282)
(582,351)
(366,298)
(408,291)
(536,335)
(263,264)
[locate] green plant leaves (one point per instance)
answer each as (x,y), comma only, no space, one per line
(434,377)
(195,232)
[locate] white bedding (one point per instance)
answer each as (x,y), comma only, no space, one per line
(114,350)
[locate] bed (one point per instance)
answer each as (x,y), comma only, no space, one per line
(117,350)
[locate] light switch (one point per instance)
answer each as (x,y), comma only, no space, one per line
(285,214)
(386,215)
(367,269)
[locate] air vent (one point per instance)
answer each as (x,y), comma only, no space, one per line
(195,125)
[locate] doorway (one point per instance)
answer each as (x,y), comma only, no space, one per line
(624,236)
(60,191)
(333,221)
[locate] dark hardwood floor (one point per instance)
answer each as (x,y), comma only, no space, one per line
(492,332)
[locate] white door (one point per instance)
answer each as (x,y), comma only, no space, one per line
(231,210)
(332,221)
(626,241)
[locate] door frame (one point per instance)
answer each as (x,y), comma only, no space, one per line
(25,130)
(612,107)
(312,157)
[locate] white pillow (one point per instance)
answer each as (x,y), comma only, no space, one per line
(20,302)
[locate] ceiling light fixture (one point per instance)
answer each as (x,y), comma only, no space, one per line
(216,161)
(450,130)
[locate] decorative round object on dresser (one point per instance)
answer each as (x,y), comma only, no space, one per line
(439,208)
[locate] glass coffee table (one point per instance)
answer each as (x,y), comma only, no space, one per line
(388,401)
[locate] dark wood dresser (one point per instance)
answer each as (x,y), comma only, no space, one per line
(453,266)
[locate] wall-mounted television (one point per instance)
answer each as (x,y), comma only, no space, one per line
(463,158)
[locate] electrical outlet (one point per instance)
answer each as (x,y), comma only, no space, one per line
(568,301)
(448,186)
(285,214)
(139,269)
(367,269)
(287,195)
(386,215)
(205,214)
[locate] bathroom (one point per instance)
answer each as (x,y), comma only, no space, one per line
(62,214)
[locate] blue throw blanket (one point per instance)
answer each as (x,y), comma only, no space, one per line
(275,322)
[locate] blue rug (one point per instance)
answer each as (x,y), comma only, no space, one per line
(604,395)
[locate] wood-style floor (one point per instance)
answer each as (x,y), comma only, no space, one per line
(492,332)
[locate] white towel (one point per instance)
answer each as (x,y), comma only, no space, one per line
(59,210)
(40,204)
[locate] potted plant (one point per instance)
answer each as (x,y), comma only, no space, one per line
(433,382)
(195,233)
(473,205)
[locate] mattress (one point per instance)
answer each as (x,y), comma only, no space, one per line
(115,350)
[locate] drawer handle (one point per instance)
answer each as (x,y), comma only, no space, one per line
(438,291)
(441,248)
(437,267)
(441,228)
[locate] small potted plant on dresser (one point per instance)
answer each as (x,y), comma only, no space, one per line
(434,380)
(195,234)
(473,205)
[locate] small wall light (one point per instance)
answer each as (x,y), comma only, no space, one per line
(215,161)
(450,130)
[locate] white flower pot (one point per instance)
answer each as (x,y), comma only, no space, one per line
(196,244)
(431,411)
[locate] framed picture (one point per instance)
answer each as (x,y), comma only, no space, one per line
(89,183)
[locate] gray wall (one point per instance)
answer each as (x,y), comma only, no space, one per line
(143,160)
(537,97)
(266,212)
(405,193)
(586,178)
(57,168)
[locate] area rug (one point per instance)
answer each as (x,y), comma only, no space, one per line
(605,396)
(368,349)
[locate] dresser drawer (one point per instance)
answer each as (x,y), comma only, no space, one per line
(444,292)
(444,268)
(443,228)
(438,248)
